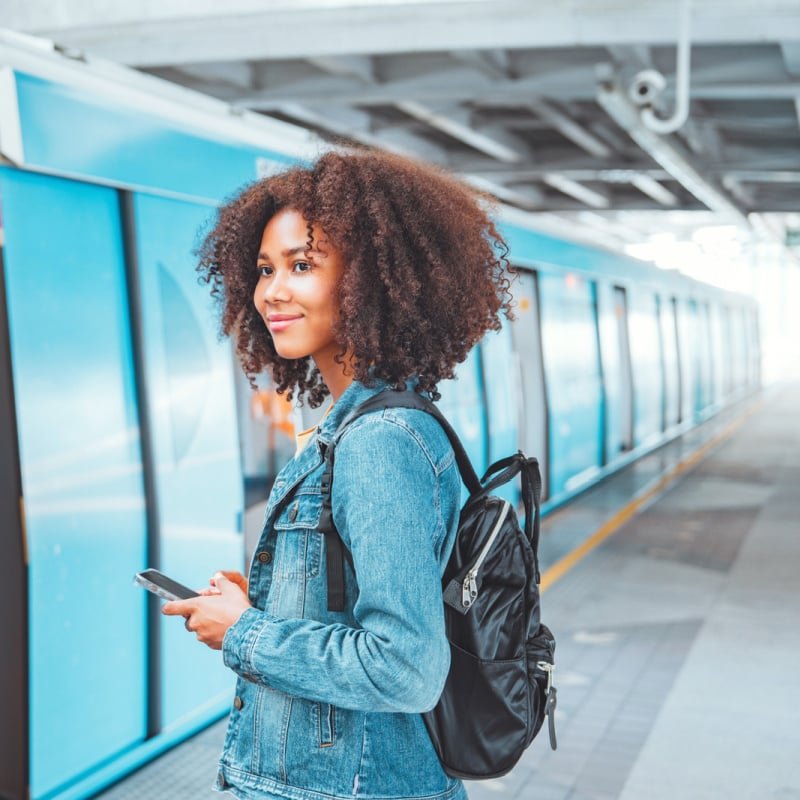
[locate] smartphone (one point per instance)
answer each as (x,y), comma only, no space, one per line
(158,583)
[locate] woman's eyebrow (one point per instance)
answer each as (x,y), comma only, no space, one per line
(286,253)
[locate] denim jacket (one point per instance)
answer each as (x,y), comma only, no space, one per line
(327,704)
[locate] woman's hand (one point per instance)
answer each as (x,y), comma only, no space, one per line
(211,614)
(235,577)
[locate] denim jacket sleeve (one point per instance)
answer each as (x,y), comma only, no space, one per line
(386,504)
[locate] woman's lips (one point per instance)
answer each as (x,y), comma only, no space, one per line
(281,323)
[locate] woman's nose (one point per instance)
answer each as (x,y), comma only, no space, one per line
(277,289)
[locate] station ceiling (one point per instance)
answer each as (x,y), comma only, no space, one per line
(540,103)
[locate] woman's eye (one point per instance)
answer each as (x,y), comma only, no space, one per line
(306,266)
(265,272)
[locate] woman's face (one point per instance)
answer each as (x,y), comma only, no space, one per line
(295,290)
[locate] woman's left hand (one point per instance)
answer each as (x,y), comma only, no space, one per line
(210,616)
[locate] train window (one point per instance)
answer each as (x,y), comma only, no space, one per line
(528,354)
(645,344)
(671,366)
(723,350)
(612,323)
(679,353)
(572,369)
(462,404)
(706,343)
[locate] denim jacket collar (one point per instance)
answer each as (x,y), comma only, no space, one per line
(311,457)
(355,394)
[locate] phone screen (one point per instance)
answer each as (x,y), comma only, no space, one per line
(159,584)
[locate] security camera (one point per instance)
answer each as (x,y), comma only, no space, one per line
(646,86)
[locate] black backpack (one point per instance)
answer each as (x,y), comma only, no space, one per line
(499,688)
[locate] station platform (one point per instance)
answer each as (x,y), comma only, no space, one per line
(673,589)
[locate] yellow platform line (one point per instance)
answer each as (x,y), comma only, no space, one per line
(646,496)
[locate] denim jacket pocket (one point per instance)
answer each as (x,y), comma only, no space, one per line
(325,715)
(299,543)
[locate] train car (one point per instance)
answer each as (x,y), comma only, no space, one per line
(130,439)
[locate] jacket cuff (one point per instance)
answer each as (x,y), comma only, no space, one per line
(239,641)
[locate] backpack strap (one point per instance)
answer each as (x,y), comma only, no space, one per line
(335,551)
(395,398)
(531,493)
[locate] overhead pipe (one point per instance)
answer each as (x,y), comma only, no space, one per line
(681,114)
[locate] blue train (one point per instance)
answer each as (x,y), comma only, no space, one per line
(129,439)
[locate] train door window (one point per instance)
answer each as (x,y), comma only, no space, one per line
(532,421)
(572,378)
(625,389)
(669,344)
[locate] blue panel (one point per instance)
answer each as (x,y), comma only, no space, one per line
(81,473)
(572,370)
(501,379)
(199,485)
(462,404)
(116,143)
(645,344)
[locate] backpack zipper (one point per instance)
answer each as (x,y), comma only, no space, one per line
(547,667)
(469,588)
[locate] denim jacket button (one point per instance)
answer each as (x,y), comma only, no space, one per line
(265,556)
(293,511)
(238,703)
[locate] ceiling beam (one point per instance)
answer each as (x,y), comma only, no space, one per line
(591,197)
(353,124)
(570,129)
(455,122)
(141,33)
(652,188)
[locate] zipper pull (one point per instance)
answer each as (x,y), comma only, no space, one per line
(469,590)
(549,668)
(550,701)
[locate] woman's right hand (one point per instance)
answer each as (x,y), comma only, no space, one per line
(233,577)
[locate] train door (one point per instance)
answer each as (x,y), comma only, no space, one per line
(81,475)
(197,497)
(528,360)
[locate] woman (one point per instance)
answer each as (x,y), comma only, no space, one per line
(361,272)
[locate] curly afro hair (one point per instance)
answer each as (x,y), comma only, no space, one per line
(425,276)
